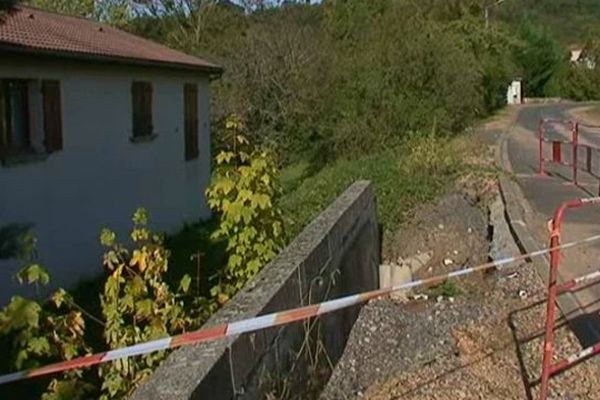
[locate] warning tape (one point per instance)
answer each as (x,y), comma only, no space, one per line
(266,321)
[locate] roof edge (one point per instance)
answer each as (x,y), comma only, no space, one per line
(213,70)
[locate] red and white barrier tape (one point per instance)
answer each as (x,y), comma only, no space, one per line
(266,321)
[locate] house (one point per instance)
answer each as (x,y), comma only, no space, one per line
(95,122)
(514,92)
(575,52)
(581,56)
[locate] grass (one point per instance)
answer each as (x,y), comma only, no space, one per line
(446,289)
(403,177)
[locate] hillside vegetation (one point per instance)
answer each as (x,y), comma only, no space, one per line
(569,21)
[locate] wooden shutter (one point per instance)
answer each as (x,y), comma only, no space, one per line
(53,138)
(191,121)
(141,96)
(147,109)
(136,108)
(3,119)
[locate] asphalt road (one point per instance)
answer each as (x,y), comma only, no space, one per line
(546,193)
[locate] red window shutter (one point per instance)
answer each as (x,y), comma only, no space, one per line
(52,115)
(191,121)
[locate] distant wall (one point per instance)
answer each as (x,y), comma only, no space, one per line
(337,254)
(100,177)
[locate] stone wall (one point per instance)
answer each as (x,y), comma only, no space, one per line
(337,254)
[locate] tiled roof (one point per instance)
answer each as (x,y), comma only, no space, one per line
(36,31)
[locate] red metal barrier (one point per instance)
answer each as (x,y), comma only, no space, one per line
(554,289)
(590,152)
(557,157)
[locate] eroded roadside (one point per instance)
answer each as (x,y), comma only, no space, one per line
(478,338)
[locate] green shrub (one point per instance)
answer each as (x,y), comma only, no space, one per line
(243,192)
(137,304)
(403,176)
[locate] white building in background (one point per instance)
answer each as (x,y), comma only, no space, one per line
(514,93)
(95,122)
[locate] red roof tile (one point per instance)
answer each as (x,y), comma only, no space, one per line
(36,31)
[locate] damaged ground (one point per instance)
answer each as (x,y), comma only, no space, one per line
(474,338)
(477,338)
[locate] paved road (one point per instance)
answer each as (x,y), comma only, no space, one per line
(545,194)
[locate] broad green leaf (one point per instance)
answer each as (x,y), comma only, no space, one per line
(184,285)
(34,273)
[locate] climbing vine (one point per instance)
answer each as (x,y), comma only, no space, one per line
(243,193)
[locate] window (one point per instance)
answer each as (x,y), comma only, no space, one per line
(190,99)
(15,116)
(30,117)
(141,96)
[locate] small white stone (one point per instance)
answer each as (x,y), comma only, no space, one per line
(440,226)
(470,230)
(455,252)
(522,294)
(439,299)
(451,299)
(448,261)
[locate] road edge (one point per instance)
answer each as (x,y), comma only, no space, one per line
(517,211)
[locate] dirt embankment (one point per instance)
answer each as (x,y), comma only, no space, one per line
(477,338)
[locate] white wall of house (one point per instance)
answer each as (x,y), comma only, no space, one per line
(100,177)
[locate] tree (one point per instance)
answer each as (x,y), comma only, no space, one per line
(539,56)
(115,12)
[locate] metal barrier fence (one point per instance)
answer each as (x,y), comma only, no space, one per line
(591,153)
(557,143)
(554,289)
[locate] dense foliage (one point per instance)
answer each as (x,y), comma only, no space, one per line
(569,21)
(137,305)
(334,80)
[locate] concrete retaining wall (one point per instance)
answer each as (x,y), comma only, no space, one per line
(337,254)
